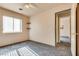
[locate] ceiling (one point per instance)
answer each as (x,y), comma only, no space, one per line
(40,7)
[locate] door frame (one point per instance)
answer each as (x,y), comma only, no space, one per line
(76,29)
(57,31)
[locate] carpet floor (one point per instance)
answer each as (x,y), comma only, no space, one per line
(40,49)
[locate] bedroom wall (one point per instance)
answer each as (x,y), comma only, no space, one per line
(42,28)
(9,38)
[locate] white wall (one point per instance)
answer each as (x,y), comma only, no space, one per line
(9,38)
(43,26)
(73,31)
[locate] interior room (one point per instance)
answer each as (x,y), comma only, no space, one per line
(36,29)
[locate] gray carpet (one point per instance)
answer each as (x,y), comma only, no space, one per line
(23,51)
(40,49)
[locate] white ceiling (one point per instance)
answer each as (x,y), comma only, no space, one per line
(40,7)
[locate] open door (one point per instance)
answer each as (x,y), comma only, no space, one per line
(77,31)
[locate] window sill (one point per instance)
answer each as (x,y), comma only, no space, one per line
(12,33)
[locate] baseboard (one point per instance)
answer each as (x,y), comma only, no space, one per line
(13,43)
(25,41)
(41,43)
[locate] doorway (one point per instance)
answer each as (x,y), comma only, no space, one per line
(63,28)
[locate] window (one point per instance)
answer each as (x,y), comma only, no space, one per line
(11,24)
(7,24)
(17,25)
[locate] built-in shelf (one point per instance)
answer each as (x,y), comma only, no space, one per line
(28,23)
(28,28)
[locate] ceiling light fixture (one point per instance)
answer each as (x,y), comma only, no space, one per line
(29,5)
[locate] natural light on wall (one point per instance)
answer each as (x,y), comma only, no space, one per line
(11,25)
